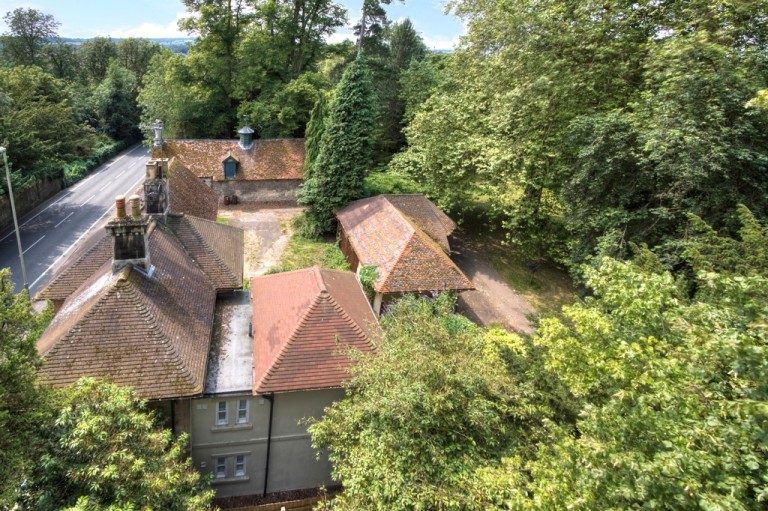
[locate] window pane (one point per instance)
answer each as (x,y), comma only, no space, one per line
(242,411)
(221,467)
(221,416)
(240,465)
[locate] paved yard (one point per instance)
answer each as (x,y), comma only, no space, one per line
(493,301)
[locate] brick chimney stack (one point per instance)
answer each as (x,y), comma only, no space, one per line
(156,187)
(130,235)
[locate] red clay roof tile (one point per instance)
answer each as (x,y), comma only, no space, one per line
(408,246)
(265,159)
(303,321)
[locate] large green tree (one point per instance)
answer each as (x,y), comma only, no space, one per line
(23,412)
(30,31)
(585,125)
(37,124)
(345,148)
(439,400)
(105,451)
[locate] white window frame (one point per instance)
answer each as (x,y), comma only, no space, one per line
(222,415)
(242,411)
(240,465)
(221,467)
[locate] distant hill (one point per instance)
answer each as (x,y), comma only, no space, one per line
(175,44)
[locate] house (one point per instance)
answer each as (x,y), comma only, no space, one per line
(201,237)
(252,170)
(157,304)
(248,430)
(405,237)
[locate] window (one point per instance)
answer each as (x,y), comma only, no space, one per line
(240,465)
(242,411)
(221,414)
(221,467)
(230,168)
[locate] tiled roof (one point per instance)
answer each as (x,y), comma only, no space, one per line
(216,248)
(428,217)
(407,258)
(74,274)
(189,195)
(265,159)
(302,322)
(148,330)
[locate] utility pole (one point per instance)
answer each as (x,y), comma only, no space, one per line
(15,220)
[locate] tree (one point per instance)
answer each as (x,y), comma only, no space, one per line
(675,391)
(439,400)
(30,32)
(115,103)
(135,54)
(314,133)
(22,403)
(105,451)
(344,157)
(404,46)
(39,127)
(96,55)
(587,125)
(213,59)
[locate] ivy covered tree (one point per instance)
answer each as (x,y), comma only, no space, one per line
(343,161)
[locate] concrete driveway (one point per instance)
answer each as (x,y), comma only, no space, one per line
(493,302)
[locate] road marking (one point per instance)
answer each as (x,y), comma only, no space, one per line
(65,219)
(81,236)
(106,185)
(86,200)
(120,174)
(33,244)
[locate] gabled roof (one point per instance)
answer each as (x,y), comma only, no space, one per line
(265,159)
(406,238)
(214,247)
(189,195)
(73,275)
(302,322)
(149,330)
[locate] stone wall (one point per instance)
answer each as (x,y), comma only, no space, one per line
(275,190)
(26,200)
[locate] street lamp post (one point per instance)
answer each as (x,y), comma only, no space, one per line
(15,221)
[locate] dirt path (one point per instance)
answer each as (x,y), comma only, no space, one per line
(267,232)
(493,301)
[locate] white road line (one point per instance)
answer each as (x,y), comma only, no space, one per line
(33,244)
(86,200)
(106,185)
(65,219)
(120,174)
(82,235)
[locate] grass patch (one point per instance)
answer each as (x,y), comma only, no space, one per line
(222,220)
(302,252)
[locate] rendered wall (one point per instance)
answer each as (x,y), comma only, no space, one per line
(292,463)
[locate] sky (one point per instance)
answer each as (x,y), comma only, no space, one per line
(157,18)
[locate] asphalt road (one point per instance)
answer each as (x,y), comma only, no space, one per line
(51,232)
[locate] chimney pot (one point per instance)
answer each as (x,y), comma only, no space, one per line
(120,206)
(135,206)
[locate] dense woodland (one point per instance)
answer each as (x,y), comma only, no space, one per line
(625,141)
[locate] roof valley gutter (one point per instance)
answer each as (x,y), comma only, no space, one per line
(271,399)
